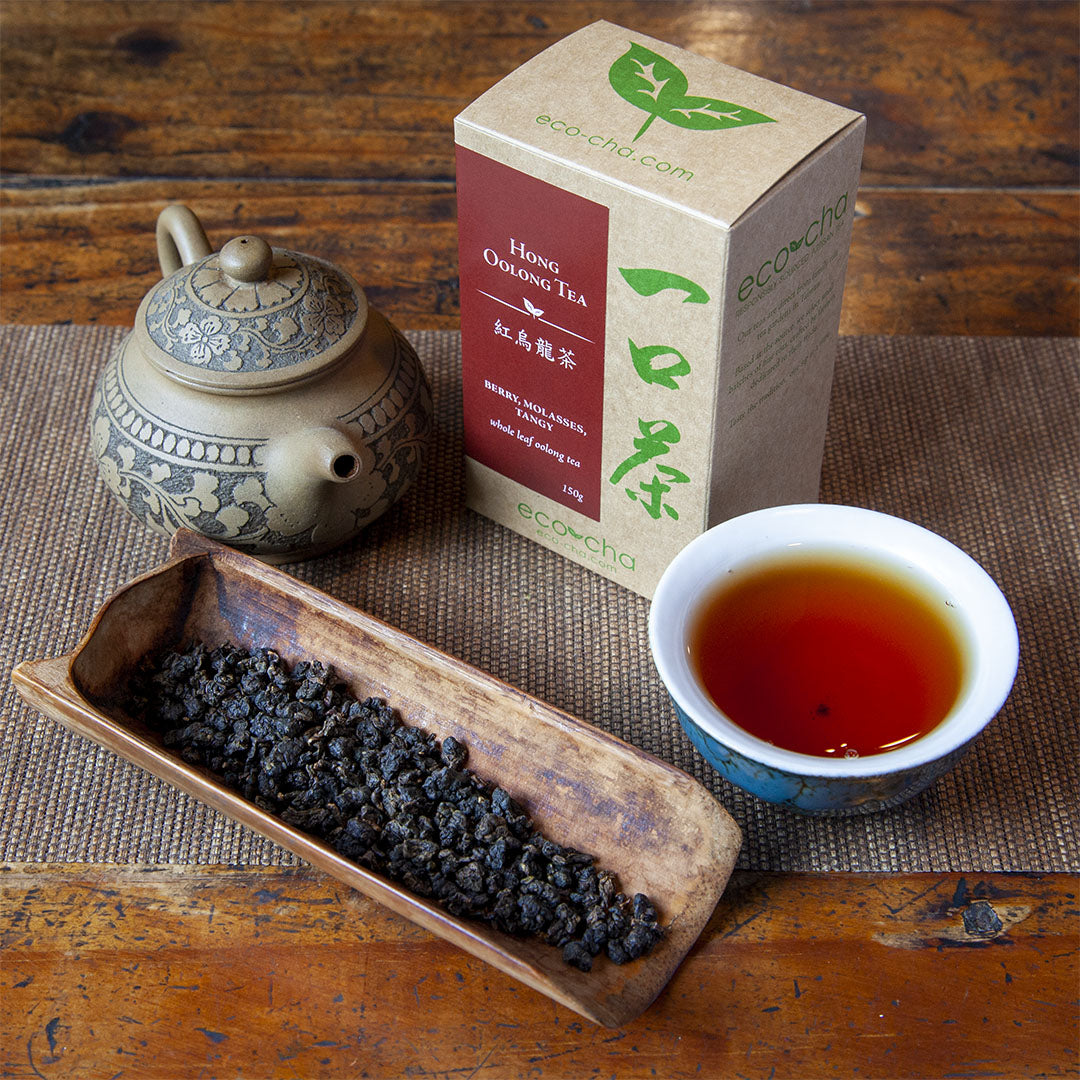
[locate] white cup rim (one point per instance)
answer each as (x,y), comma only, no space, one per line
(867,534)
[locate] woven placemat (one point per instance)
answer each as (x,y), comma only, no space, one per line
(974,438)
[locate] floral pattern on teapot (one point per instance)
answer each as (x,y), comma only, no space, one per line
(209,320)
(170,477)
(259,399)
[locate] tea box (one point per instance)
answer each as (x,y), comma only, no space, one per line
(652,258)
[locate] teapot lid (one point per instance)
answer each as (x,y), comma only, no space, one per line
(250,317)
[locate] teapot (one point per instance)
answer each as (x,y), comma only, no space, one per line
(258,400)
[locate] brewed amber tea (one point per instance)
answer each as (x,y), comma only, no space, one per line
(822,655)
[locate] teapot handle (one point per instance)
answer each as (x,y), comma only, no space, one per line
(180,239)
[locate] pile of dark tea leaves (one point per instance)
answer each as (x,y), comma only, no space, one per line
(385,795)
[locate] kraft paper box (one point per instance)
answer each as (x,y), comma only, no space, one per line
(652,257)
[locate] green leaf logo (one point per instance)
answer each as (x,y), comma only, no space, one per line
(657,86)
(646,281)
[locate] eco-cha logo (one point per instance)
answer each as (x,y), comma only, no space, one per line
(658,87)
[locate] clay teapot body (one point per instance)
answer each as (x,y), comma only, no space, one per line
(259,400)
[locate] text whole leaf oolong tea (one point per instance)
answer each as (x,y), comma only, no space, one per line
(386,795)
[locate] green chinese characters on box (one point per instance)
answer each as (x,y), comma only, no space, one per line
(652,256)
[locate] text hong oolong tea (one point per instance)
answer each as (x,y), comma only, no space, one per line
(652,253)
(821,654)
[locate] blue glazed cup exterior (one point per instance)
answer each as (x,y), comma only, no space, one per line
(827,786)
(817,795)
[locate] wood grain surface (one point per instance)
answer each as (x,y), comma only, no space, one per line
(329,127)
(653,825)
(165,972)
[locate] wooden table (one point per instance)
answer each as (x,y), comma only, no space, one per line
(328,126)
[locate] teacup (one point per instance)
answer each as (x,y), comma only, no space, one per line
(809,782)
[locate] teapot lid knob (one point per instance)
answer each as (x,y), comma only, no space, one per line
(249,317)
(247,258)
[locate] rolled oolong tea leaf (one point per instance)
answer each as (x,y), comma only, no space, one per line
(388,796)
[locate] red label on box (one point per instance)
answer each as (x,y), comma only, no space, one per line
(533,265)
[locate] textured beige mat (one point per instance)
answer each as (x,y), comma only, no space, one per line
(974,438)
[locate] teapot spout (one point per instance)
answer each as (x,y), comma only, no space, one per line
(331,455)
(311,457)
(308,476)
